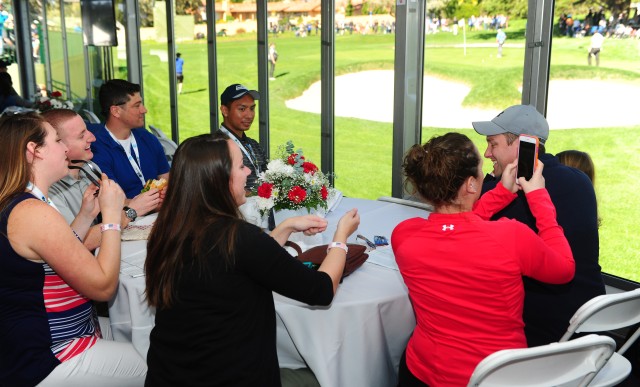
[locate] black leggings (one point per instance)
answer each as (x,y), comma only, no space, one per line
(405,377)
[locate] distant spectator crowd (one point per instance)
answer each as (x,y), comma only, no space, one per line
(620,26)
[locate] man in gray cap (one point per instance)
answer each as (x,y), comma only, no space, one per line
(238,111)
(548,308)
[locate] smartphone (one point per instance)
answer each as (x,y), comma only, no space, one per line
(527,156)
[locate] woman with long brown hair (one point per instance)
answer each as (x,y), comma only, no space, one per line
(210,275)
(49,332)
(464,272)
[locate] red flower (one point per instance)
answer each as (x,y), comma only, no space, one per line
(324,192)
(309,167)
(264,191)
(56,94)
(46,103)
(291,160)
(297,194)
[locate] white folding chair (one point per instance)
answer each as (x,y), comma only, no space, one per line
(570,364)
(168,145)
(91,116)
(407,202)
(606,313)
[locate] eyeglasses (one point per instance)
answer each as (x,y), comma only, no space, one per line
(371,245)
(93,175)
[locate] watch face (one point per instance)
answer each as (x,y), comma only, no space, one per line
(131,213)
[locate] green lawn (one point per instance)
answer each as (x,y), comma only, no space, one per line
(363,148)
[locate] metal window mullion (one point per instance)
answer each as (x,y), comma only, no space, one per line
(45,44)
(171,47)
(210,9)
(65,51)
(537,59)
(132,36)
(327,87)
(263,71)
(408,85)
(24,49)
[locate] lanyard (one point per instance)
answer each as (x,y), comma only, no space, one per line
(35,191)
(254,159)
(135,162)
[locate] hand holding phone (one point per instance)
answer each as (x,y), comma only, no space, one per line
(527,156)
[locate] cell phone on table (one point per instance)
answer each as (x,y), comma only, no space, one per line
(527,156)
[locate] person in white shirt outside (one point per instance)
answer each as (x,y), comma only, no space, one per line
(500,38)
(273,58)
(596,46)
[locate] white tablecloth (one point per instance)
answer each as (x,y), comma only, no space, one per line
(357,341)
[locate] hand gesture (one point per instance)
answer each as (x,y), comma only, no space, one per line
(146,202)
(536,182)
(347,225)
(508,178)
(111,198)
(308,224)
(90,204)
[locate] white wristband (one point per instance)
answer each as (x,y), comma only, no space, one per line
(109,226)
(339,245)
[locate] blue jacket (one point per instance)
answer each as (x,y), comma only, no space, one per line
(548,308)
(112,159)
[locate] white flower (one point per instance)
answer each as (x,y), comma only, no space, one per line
(264,203)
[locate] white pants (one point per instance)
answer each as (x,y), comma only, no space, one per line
(107,363)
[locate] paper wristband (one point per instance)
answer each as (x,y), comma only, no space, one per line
(109,226)
(339,245)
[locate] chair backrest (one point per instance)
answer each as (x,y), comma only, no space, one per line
(91,116)
(407,202)
(169,145)
(568,364)
(605,313)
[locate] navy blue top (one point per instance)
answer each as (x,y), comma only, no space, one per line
(548,308)
(112,159)
(25,354)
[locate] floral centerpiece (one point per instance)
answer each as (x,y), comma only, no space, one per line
(291,183)
(55,101)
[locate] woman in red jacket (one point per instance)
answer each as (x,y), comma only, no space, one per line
(464,273)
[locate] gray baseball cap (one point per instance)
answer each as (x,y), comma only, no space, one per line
(517,119)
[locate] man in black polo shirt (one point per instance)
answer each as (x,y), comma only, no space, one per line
(238,111)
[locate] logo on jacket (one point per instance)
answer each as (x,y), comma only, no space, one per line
(445,227)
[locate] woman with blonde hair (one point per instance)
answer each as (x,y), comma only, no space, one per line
(49,333)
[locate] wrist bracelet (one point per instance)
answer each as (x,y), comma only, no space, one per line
(339,245)
(110,226)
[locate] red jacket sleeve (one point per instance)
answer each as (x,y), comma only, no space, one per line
(493,201)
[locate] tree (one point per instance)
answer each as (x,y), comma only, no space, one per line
(348,11)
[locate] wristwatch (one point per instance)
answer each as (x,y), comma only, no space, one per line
(130,213)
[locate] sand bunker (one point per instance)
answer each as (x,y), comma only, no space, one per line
(572,103)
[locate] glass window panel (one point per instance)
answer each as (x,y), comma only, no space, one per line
(292,115)
(75,51)
(364,103)
(55,44)
(469,76)
(155,67)
(191,43)
(596,106)
(237,60)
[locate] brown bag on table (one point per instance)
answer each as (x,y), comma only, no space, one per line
(355,257)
